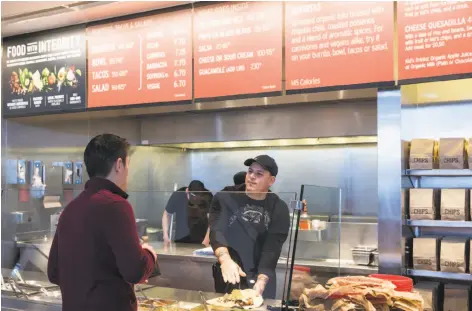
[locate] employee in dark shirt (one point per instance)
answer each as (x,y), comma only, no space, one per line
(239,178)
(191,206)
(248,228)
(96,255)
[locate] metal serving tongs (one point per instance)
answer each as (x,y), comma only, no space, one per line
(140,289)
(204,300)
(14,288)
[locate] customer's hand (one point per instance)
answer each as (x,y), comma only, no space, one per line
(232,273)
(151,250)
(260,285)
(206,241)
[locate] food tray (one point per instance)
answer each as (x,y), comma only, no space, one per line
(145,304)
(36,285)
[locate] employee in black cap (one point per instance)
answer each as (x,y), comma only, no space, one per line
(191,206)
(239,178)
(248,230)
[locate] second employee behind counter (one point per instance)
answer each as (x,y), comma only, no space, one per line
(191,206)
(248,229)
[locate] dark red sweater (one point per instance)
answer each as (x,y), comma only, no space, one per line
(96,256)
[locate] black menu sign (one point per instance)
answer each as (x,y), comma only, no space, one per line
(42,73)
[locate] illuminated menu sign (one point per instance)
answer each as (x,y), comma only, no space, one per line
(140,61)
(237,49)
(44,72)
(336,43)
(434,38)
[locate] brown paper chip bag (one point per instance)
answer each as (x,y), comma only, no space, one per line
(469,153)
(403,203)
(456,297)
(454,204)
(470,256)
(453,255)
(429,292)
(425,254)
(423,204)
(452,153)
(423,154)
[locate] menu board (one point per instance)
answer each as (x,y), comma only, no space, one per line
(434,38)
(141,61)
(237,49)
(44,72)
(337,43)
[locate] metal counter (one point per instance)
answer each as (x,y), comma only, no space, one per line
(13,303)
(182,269)
(30,251)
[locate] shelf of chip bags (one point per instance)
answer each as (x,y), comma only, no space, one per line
(438,173)
(439,223)
(466,277)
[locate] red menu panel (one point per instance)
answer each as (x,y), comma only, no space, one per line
(338,43)
(138,61)
(238,49)
(434,38)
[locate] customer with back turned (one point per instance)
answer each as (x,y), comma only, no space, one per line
(248,227)
(96,255)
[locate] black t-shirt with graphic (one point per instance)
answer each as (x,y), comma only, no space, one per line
(253,230)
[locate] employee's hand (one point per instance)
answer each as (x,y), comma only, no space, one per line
(260,285)
(166,239)
(232,273)
(151,250)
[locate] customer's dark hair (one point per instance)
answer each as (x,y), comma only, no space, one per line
(102,152)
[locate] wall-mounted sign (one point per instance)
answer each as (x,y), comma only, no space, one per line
(44,73)
(336,43)
(434,38)
(140,61)
(237,49)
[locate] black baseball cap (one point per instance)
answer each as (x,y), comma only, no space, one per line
(239,178)
(266,162)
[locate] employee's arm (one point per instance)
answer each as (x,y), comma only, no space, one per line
(53,271)
(206,240)
(219,217)
(165,226)
(218,224)
(276,237)
(135,264)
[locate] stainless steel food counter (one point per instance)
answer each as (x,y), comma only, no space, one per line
(189,297)
(182,269)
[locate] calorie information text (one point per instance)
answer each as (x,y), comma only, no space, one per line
(140,61)
(238,49)
(338,43)
(434,38)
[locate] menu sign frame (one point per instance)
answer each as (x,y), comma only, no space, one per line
(225,66)
(137,60)
(338,45)
(432,41)
(44,72)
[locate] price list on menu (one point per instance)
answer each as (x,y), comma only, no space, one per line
(141,61)
(434,38)
(237,49)
(337,43)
